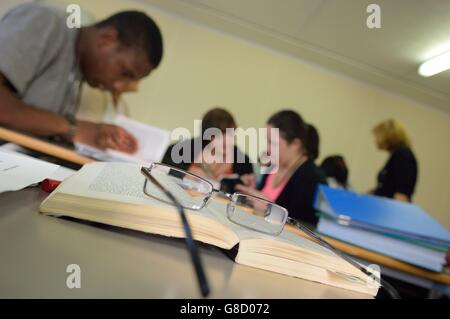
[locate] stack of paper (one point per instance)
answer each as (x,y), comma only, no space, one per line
(18,171)
(393,228)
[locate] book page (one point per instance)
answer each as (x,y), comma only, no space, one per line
(122,182)
(113,193)
(153,141)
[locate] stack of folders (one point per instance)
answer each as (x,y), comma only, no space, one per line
(396,229)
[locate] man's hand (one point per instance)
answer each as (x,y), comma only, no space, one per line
(105,136)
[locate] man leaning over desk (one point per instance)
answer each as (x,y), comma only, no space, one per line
(43,64)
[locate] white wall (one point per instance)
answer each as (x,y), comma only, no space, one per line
(203,68)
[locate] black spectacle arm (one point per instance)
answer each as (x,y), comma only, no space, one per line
(192,247)
(387,286)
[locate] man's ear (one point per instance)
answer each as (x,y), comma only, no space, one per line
(108,37)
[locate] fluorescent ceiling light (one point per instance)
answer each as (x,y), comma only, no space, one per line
(435,65)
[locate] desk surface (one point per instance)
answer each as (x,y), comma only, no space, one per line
(35,251)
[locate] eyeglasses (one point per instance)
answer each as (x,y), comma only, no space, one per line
(194,193)
(185,190)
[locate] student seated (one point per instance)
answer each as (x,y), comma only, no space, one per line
(222,148)
(294,184)
(398,177)
(336,171)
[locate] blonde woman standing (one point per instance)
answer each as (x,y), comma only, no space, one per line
(398,177)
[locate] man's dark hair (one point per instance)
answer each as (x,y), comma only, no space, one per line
(137,30)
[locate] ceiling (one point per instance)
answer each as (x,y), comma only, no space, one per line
(334,34)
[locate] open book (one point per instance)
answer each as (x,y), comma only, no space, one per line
(153,143)
(112,193)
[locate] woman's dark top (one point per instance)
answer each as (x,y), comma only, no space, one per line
(399,175)
(299,193)
(240,167)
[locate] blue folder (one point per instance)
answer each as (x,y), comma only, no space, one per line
(380,214)
(408,251)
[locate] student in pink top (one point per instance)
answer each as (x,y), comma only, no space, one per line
(294,184)
(271,191)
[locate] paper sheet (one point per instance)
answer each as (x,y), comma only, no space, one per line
(18,171)
(152,140)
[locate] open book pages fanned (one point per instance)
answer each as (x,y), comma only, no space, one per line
(152,143)
(112,194)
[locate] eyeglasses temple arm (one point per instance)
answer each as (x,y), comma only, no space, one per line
(192,247)
(389,289)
